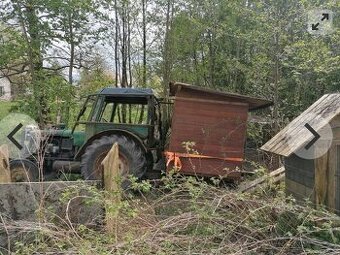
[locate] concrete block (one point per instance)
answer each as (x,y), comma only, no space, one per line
(62,203)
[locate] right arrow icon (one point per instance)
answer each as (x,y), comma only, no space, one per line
(316,136)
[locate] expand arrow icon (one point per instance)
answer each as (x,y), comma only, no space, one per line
(316,136)
(325,16)
(11,136)
(315,26)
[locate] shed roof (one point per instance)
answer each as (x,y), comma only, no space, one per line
(327,107)
(253,102)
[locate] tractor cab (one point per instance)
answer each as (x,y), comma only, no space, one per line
(130,110)
(128,116)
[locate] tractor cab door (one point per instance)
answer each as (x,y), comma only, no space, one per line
(132,114)
(87,111)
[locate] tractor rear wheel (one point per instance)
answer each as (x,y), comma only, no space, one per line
(132,159)
(23,170)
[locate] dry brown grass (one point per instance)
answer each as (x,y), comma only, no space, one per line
(186,216)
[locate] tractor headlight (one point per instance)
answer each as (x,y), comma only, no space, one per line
(31,139)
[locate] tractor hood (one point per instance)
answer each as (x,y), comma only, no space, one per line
(78,136)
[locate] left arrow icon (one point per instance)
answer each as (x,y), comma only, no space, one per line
(11,136)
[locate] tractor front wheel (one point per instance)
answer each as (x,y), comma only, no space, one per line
(132,160)
(23,170)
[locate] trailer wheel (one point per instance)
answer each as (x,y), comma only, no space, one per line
(23,170)
(132,159)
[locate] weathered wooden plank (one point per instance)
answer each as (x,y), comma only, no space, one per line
(302,179)
(326,111)
(321,179)
(295,134)
(277,176)
(337,176)
(298,190)
(279,137)
(335,123)
(300,170)
(331,177)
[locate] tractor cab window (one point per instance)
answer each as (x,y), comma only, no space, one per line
(125,111)
(85,113)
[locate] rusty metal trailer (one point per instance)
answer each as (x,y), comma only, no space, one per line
(214,124)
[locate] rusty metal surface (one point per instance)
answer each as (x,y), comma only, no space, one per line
(217,128)
(210,168)
(192,91)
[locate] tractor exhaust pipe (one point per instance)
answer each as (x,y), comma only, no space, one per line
(66,166)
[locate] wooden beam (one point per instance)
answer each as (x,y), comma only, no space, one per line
(277,175)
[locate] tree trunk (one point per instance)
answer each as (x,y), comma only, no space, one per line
(167,63)
(124,81)
(124,47)
(276,84)
(144,6)
(72,50)
(130,81)
(70,69)
(116,43)
(36,62)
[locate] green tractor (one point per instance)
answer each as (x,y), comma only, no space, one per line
(129,116)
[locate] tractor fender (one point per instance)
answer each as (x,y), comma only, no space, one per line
(131,135)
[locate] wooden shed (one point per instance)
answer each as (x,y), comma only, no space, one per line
(316,178)
(216,123)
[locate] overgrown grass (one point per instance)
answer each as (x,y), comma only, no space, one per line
(188,216)
(5,107)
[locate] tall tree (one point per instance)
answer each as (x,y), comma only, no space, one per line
(144,11)
(51,31)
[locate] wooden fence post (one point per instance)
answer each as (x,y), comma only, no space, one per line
(112,186)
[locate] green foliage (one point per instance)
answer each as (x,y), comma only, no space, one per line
(256,134)
(57,94)
(256,48)
(47,36)
(6,107)
(252,47)
(93,81)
